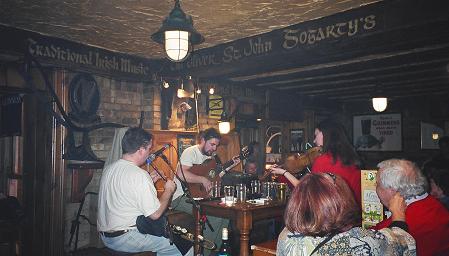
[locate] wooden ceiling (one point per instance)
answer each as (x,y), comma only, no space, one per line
(404,53)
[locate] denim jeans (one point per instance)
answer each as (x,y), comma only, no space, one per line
(134,241)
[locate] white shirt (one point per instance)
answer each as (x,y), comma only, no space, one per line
(126,191)
(189,157)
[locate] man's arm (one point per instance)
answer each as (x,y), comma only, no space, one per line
(165,199)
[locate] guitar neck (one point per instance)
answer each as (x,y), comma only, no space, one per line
(228,165)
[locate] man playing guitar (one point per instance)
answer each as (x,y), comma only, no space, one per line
(209,140)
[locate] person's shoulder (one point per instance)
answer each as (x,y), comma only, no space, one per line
(191,150)
(324,157)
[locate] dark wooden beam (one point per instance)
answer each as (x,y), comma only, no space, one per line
(417,57)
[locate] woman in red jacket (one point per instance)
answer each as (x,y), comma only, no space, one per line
(338,156)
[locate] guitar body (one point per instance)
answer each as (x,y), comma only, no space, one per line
(207,169)
(211,170)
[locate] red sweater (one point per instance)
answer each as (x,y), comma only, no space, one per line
(428,223)
(351,174)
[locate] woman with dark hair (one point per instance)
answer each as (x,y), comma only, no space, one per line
(439,183)
(338,156)
(322,217)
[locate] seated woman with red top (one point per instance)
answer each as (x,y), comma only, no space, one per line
(338,157)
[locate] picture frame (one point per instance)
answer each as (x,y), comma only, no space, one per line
(379,132)
(273,147)
(430,134)
(296,140)
(184,141)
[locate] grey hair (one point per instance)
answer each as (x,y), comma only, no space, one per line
(402,176)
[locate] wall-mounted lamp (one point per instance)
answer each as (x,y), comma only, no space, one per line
(211,90)
(380,103)
(435,136)
(198,90)
(224,125)
(186,91)
(165,84)
(177,34)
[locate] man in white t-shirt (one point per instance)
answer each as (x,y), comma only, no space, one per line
(127,191)
(195,155)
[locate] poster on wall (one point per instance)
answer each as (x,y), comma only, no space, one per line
(377,132)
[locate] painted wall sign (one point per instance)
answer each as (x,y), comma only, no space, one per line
(312,35)
(65,53)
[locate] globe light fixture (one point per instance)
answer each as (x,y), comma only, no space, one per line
(177,34)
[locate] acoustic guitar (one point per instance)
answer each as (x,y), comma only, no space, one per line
(213,170)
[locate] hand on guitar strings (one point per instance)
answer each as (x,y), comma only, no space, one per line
(207,184)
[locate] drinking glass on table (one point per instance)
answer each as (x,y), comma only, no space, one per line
(241,192)
(229,195)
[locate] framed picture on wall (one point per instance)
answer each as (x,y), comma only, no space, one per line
(296,140)
(184,141)
(273,147)
(382,132)
(430,134)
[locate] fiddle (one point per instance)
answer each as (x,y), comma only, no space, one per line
(297,162)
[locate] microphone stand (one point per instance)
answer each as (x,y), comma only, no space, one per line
(167,227)
(186,189)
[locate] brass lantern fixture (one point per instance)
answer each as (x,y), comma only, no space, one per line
(177,34)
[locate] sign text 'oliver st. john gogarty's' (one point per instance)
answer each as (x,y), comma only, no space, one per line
(278,41)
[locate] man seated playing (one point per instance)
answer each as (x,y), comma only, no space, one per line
(126,192)
(426,217)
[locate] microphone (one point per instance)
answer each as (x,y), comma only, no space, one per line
(159,152)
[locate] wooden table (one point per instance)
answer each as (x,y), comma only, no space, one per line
(243,214)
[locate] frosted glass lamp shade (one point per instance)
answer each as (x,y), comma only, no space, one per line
(224,127)
(177,45)
(380,104)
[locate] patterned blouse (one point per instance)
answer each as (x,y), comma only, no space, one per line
(357,241)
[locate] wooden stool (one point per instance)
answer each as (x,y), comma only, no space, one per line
(182,219)
(265,248)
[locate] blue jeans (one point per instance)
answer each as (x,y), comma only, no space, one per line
(134,241)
